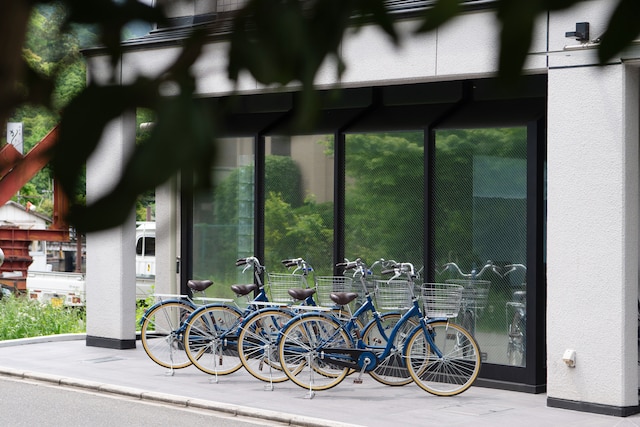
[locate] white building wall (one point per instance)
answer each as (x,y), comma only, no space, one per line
(592,218)
(592,237)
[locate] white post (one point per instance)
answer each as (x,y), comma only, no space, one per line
(167,237)
(592,237)
(111,275)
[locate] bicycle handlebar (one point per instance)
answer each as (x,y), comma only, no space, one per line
(292,262)
(400,268)
(473,274)
(514,267)
(299,263)
(248,262)
(350,265)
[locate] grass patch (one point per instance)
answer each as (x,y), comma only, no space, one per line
(24,318)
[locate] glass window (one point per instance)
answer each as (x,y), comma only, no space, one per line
(384,206)
(146,244)
(298,212)
(480,219)
(223,219)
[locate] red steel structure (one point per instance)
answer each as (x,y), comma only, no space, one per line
(15,171)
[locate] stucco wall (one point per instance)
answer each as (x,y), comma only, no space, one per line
(592,234)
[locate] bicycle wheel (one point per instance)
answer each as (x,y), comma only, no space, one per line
(211,339)
(162,336)
(304,352)
(257,344)
(446,363)
(392,370)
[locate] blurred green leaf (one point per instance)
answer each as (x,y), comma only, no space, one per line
(181,140)
(517,18)
(623,28)
(440,13)
(111,17)
(84,120)
(280,42)
(376,9)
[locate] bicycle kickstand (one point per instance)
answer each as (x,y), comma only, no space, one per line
(358,379)
(171,372)
(214,380)
(267,350)
(311,393)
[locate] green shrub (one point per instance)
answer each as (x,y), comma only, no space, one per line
(141,307)
(24,318)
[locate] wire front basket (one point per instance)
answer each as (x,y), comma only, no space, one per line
(441,299)
(393,294)
(327,284)
(280,283)
(475,293)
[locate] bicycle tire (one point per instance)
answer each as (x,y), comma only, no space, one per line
(392,370)
(450,374)
(301,351)
(161,334)
(257,344)
(210,339)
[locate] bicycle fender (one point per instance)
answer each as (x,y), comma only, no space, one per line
(204,307)
(158,304)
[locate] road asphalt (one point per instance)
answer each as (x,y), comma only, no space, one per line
(66,361)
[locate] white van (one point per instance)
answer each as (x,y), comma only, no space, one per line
(145,258)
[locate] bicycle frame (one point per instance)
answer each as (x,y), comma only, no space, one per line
(350,357)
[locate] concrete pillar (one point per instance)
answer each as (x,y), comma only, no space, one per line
(167,238)
(111,275)
(592,238)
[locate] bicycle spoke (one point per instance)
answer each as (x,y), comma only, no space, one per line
(161,335)
(302,356)
(450,366)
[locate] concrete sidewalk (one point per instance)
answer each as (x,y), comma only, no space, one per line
(67,361)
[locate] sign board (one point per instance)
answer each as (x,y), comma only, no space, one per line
(14,136)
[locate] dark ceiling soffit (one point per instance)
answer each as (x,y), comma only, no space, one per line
(351,109)
(470,103)
(496,113)
(530,86)
(273,113)
(247,115)
(422,93)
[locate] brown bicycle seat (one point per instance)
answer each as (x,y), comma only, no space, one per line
(300,294)
(199,285)
(343,298)
(244,289)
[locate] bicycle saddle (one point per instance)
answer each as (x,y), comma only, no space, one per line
(300,294)
(343,298)
(199,285)
(244,289)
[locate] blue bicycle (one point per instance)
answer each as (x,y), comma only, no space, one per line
(163,324)
(211,331)
(259,332)
(317,352)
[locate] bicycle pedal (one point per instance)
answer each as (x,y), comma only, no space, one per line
(357,380)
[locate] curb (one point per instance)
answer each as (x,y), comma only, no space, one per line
(157,397)
(43,339)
